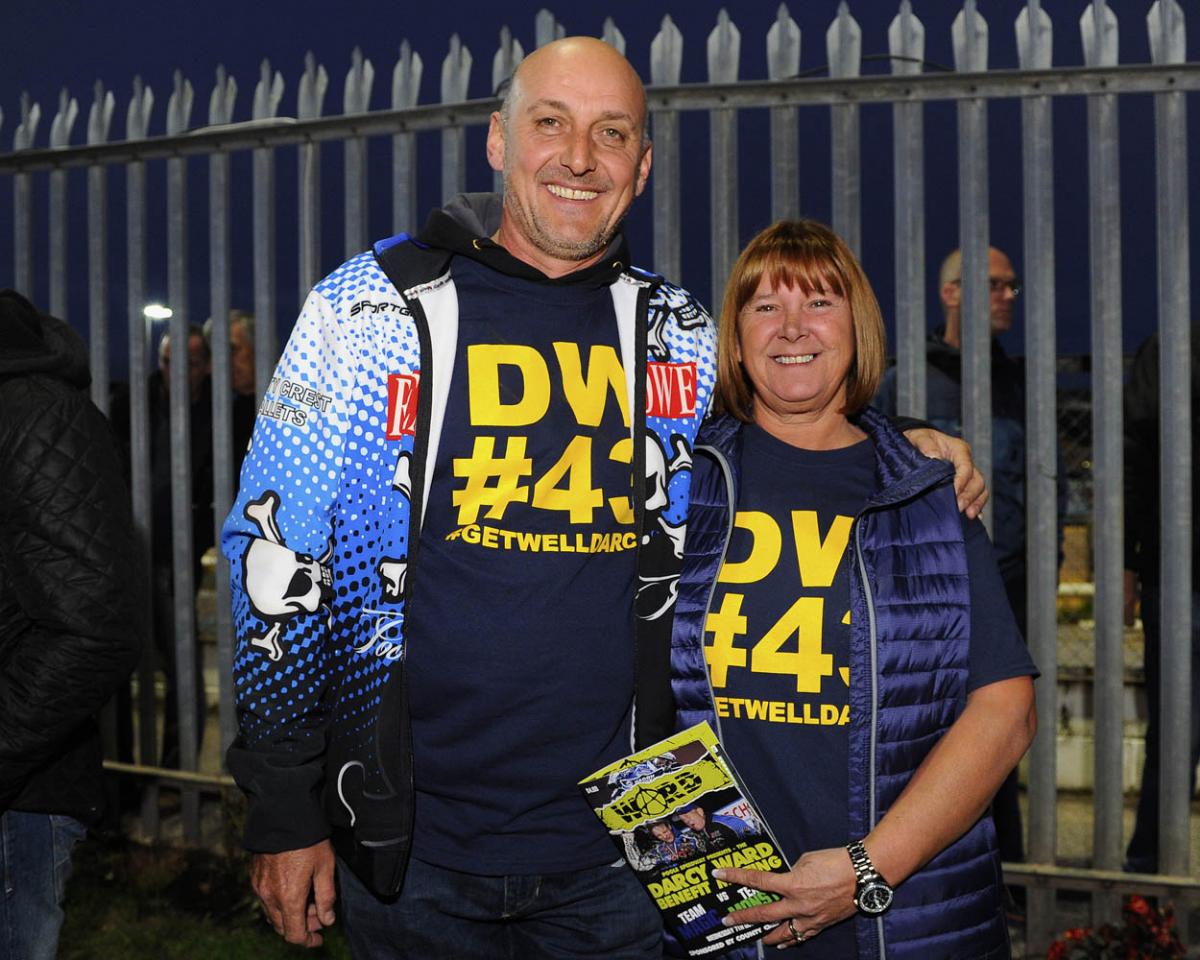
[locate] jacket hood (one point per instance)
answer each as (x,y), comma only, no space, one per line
(35,342)
(466,224)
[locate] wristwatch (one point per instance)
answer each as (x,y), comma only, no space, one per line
(873,894)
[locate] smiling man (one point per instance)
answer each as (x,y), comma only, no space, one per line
(453,432)
(455,552)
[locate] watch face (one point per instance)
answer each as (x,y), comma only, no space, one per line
(874,897)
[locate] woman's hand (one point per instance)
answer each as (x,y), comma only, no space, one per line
(817,892)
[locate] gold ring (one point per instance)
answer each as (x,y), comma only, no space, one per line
(796,934)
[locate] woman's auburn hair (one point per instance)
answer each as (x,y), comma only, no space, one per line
(808,255)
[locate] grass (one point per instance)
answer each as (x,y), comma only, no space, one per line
(162,903)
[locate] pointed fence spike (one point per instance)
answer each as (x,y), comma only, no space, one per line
(666,55)
(724,50)
(310,92)
(64,119)
(137,117)
(179,105)
(612,35)
(267,92)
(508,56)
(1098,29)
(406,78)
(843,44)
(969,32)
(906,41)
(783,46)
(1168,34)
(547,28)
(356,95)
(100,113)
(1035,35)
(456,72)
(31,113)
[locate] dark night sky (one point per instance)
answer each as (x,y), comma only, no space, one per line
(52,43)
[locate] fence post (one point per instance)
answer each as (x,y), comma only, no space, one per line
(98,125)
(220,111)
(843,45)
(23,137)
(783,62)
(137,123)
(356,98)
(1168,45)
(267,94)
(666,61)
(179,110)
(1034,52)
(60,136)
(1099,29)
(724,52)
(906,44)
(970,35)
(504,64)
(456,76)
(310,98)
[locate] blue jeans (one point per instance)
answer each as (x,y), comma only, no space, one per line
(601,912)
(35,861)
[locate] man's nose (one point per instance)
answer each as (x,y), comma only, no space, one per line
(578,156)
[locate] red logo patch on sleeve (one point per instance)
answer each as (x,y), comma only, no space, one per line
(671,390)
(403,389)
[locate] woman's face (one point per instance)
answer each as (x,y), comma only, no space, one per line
(663,832)
(796,348)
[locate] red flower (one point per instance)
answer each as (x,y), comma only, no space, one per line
(1137,904)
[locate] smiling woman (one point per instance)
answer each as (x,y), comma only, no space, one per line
(882,623)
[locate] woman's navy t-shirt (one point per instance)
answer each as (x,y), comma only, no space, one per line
(777,640)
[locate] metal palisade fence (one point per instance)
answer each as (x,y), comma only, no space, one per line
(1038,84)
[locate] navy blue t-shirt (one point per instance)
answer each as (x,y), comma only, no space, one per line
(520,653)
(777,640)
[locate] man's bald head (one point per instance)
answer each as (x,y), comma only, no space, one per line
(570,140)
(577,53)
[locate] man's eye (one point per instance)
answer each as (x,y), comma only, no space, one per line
(612,133)
(548,122)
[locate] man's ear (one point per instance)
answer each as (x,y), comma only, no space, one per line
(495,143)
(644,169)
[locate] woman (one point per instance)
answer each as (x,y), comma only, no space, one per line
(845,626)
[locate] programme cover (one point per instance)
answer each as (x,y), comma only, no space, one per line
(678,811)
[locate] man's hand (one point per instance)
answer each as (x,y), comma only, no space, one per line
(969,487)
(817,893)
(283,883)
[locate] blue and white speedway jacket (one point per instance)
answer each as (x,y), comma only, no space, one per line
(325,529)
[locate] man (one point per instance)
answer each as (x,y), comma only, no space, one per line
(69,624)
(452,600)
(711,835)
(944,411)
(1143,576)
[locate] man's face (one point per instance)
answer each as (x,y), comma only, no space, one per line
(1001,277)
(241,360)
(197,362)
(571,152)
(692,819)
(663,832)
